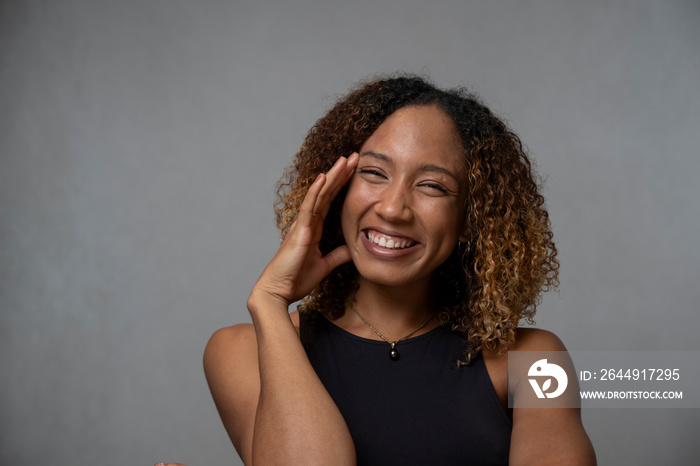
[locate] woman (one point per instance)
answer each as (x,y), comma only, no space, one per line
(416,239)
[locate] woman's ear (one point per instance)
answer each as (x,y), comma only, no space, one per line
(464,244)
(466,235)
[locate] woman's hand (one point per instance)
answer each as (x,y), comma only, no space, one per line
(298,267)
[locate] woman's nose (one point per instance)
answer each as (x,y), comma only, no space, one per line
(394,204)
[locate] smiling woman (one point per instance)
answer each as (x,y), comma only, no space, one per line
(406,191)
(416,239)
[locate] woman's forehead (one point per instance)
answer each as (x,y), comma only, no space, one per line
(419,135)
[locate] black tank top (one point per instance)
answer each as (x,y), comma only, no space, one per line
(420,410)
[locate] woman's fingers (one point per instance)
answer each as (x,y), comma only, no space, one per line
(306,209)
(331,180)
(342,182)
(337,177)
(336,257)
(325,188)
(344,176)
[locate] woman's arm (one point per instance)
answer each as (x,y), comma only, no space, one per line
(547,436)
(272,403)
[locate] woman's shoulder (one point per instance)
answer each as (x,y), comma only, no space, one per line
(239,335)
(526,339)
(230,350)
(536,339)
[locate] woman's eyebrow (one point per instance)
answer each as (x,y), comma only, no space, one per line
(377,155)
(429,167)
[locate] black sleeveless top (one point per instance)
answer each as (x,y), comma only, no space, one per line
(420,410)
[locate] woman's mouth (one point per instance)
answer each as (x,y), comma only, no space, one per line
(388,241)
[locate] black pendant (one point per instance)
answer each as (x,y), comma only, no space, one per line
(393,354)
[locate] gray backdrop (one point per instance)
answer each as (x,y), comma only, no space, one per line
(140,142)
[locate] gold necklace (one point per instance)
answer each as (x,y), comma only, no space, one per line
(393,354)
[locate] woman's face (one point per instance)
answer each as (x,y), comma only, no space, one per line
(404,209)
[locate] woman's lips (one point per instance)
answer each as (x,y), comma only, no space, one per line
(386,245)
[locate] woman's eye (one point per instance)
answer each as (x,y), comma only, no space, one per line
(370,171)
(437,187)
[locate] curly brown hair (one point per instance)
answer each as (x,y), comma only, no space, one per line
(483,290)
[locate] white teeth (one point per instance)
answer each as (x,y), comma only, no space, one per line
(388,243)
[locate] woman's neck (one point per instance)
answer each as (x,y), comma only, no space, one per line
(395,312)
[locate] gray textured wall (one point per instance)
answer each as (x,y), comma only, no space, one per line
(140,142)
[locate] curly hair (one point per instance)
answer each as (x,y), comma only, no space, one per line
(482,290)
